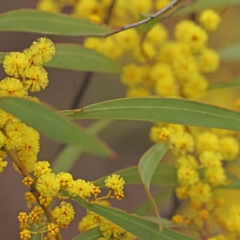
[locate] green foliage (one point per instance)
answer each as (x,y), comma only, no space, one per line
(141,227)
(230,53)
(48,23)
(71,153)
(161,110)
(43,119)
(146,168)
(203,4)
(235,83)
(91,234)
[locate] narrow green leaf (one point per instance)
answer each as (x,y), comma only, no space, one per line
(146,208)
(143,228)
(168,223)
(26,20)
(234,185)
(66,159)
(74,57)
(165,174)
(149,162)
(2,56)
(92,234)
(146,27)
(169,110)
(235,83)
(146,168)
(68,156)
(46,121)
(230,53)
(203,4)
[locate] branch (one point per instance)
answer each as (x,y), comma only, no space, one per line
(133,25)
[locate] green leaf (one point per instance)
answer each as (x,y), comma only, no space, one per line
(234,185)
(165,174)
(146,208)
(204,4)
(230,53)
(147,26)
(235,83)
(149,162)
(143,228)
(92,234)
(146,168)
(74,57)
(46,121)
(68,156)
(170,110)
(48,23)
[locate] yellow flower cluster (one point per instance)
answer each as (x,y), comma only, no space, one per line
(162,66)
(200,168)
(48,186)
(25,74)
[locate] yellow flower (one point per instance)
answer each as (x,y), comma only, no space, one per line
(93,43)
(48,185)
(177,218)
(131,75)
(229,148)
(160,4)
(134,92)
(25,234)
(210,19)
(43,48)
(37,78)
(187,175)
(27,181)
(127,39)
(65,179)
(3,164)
(12,87)
(167,87)
(157,34)
(187,161)
(182,191)
(211,159)
(48,5)
(190,33)
(110,49)
(195,87)
(14,64)
(41,168)
(114,182)
(86,224)
(181,143)
(45,201)
(207,141)
(184,68)
(80,188)
(209,60)
(216,176)
(200,193)
(53,229)
(63,214)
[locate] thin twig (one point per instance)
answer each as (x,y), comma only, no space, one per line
(110,10)
(133,25)
(81,91)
